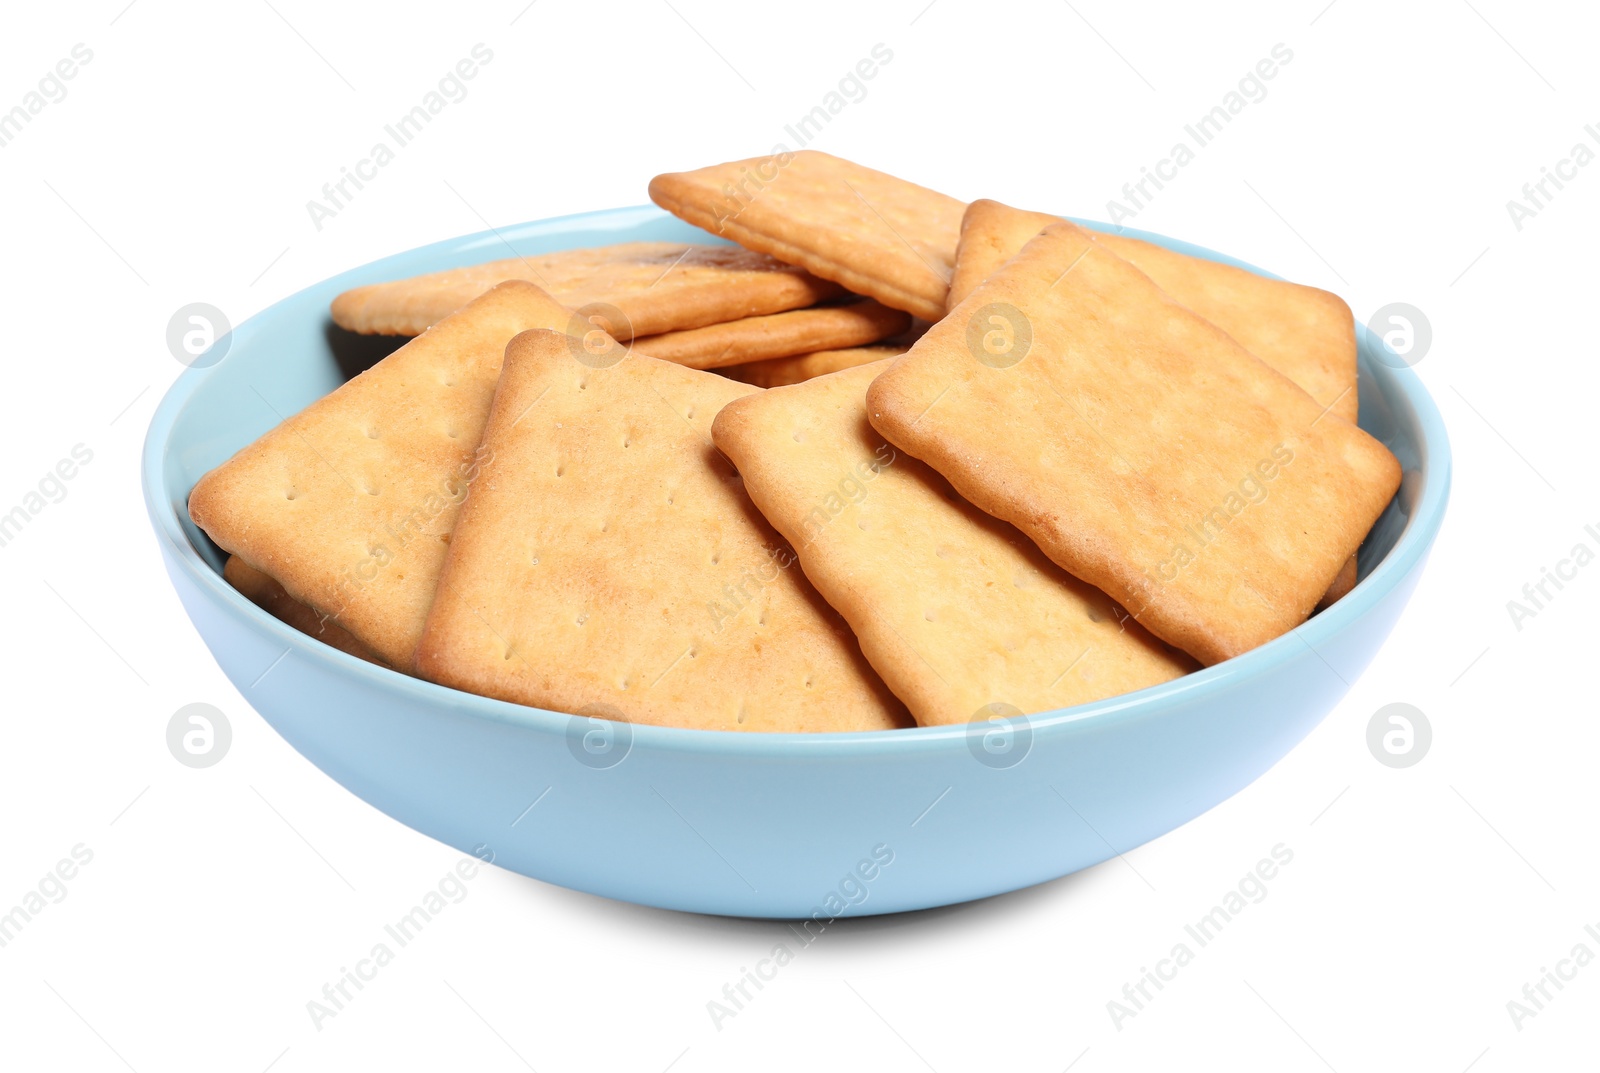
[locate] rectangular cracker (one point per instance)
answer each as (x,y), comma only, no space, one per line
(1306,334)
(653,286)
(1140,446)
(611,563)
(961,614)
(876,234)
(777,335)
(261,590)
(780,372)
(349,503)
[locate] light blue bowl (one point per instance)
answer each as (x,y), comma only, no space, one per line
(767,825)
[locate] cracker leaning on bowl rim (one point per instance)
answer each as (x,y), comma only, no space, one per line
(876,234)
(610,563)
(656,286)
(1143,449)
(349,503)
(1306,334)
(959,612)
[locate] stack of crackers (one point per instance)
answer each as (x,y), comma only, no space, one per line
(893,458)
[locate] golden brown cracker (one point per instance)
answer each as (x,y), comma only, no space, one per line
(610,563)
(777,335)
(957,610)
(1140,446)
(782,371)
(261,590)
(877,235)
(349,503)
(1306,334)
(1341,585)
(657,286)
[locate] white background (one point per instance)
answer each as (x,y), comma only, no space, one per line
(219,901)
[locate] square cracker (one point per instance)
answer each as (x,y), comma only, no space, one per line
(267,594)
(1140,446)
(611,564)
(779,372)
(777,335)
(349,503)
(656,286)
(960,613)
(876,234)
(1306,334)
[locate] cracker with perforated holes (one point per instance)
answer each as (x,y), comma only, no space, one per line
(1140,446)
(779,372)
(777,335)
(349,503)
(878,235)
(657,286)
(611,563)
(261,590)
(955,609)
(1306,334)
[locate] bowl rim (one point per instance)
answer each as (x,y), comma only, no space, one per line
(1411,547)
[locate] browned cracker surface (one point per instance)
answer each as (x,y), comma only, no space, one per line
(658,286)
(1306,334)
(777,335)
(876,234)
(781,371)
(1341,585)
(1140,446)
(349,503)
(270,596)
(955,609)
(610,563)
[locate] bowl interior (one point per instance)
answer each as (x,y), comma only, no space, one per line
(286,357)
